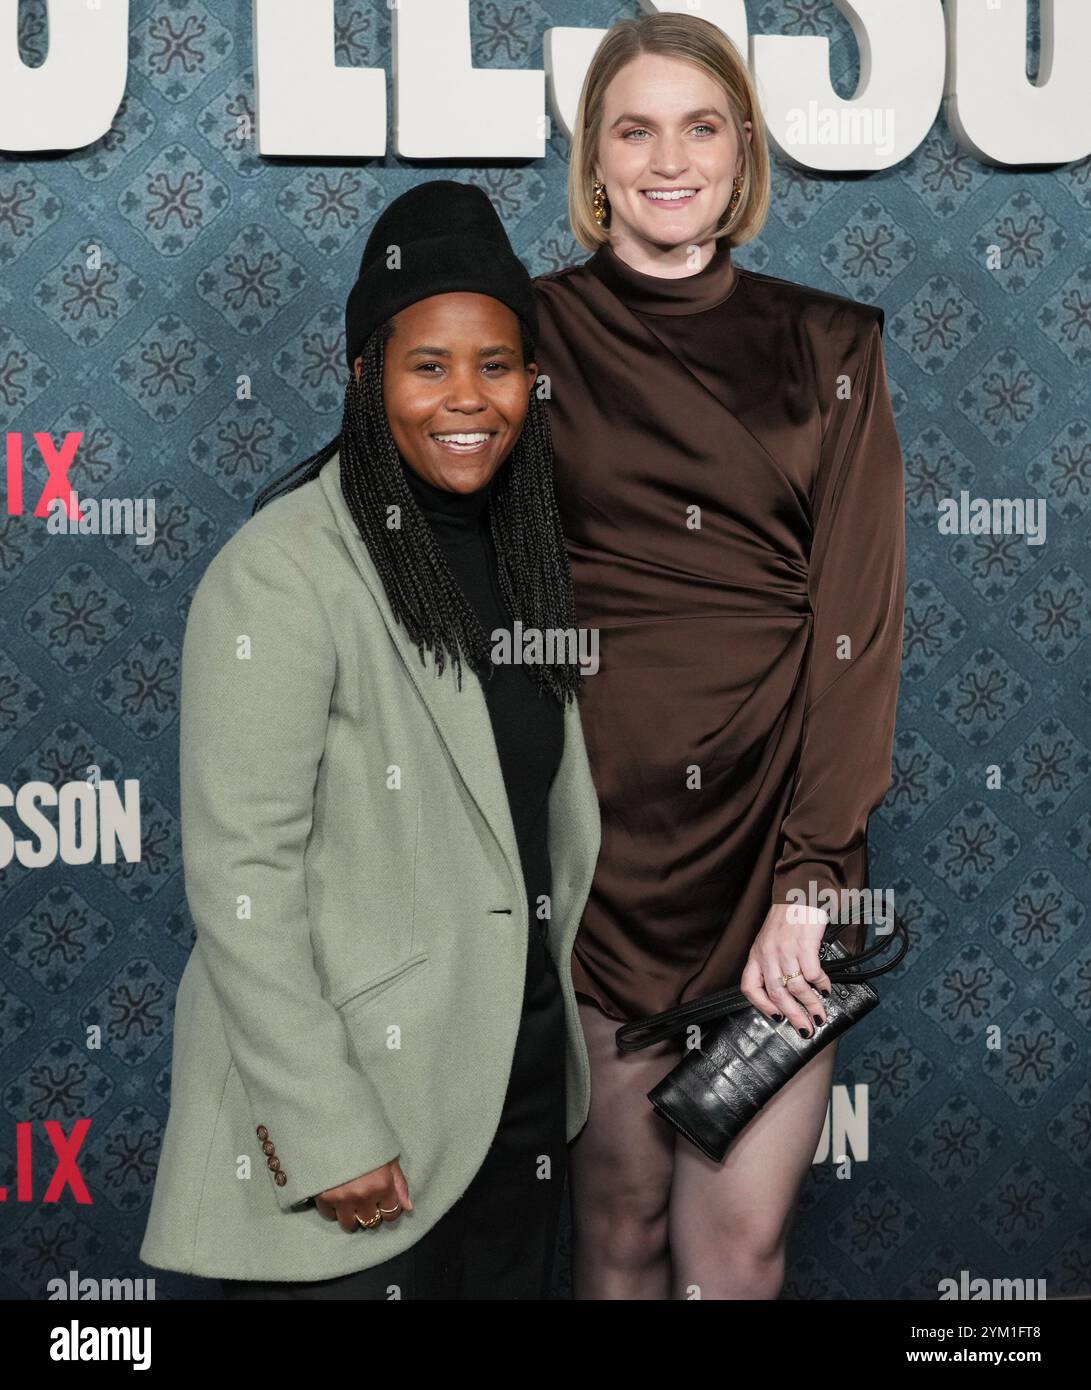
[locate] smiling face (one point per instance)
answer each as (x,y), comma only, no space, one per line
(455,388)
(668,155)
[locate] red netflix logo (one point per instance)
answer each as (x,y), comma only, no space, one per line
(57,463)
(65,1174)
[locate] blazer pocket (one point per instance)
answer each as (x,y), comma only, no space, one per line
(383,984)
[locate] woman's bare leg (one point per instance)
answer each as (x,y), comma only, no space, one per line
(729,1222)
(620,1171)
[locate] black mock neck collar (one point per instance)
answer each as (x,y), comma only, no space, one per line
(662,294)
(446,510)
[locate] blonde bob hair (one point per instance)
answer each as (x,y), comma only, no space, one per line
(696,41)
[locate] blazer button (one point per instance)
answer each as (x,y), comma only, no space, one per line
(280,1178)
(262,1132)
(268,1147)
(273,1163)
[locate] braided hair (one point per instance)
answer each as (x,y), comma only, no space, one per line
(533,570)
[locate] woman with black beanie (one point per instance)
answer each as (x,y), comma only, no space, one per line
(393,1019)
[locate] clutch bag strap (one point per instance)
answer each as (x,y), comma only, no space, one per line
(642,1032)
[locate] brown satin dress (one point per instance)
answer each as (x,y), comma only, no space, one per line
(731,489)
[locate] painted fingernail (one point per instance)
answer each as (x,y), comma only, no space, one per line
(778,1018)
(803,1032)
(817,1020)
(825,993)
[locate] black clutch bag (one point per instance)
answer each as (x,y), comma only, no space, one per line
(739,1065)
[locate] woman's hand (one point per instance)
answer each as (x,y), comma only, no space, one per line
(384,1187)
(788,942)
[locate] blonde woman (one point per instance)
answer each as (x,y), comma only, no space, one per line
(731,491)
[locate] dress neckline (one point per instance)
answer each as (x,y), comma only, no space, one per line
(662,294)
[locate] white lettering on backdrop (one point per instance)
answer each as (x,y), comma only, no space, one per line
(914,54)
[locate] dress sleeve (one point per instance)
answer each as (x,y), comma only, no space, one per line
(857,594)
(252,736)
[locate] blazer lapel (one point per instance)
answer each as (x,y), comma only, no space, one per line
(461,716)
(574,826)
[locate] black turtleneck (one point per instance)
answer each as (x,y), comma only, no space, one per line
(529,731)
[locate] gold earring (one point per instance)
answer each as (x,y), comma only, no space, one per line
(598,202)
(735,196)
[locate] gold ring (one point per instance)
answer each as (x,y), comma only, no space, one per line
(785,978)
(370,1224)
(390,1211)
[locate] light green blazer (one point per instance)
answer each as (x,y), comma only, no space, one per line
(350,862)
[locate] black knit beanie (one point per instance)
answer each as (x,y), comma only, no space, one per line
(448,238)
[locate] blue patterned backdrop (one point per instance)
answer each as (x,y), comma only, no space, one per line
(218,263)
